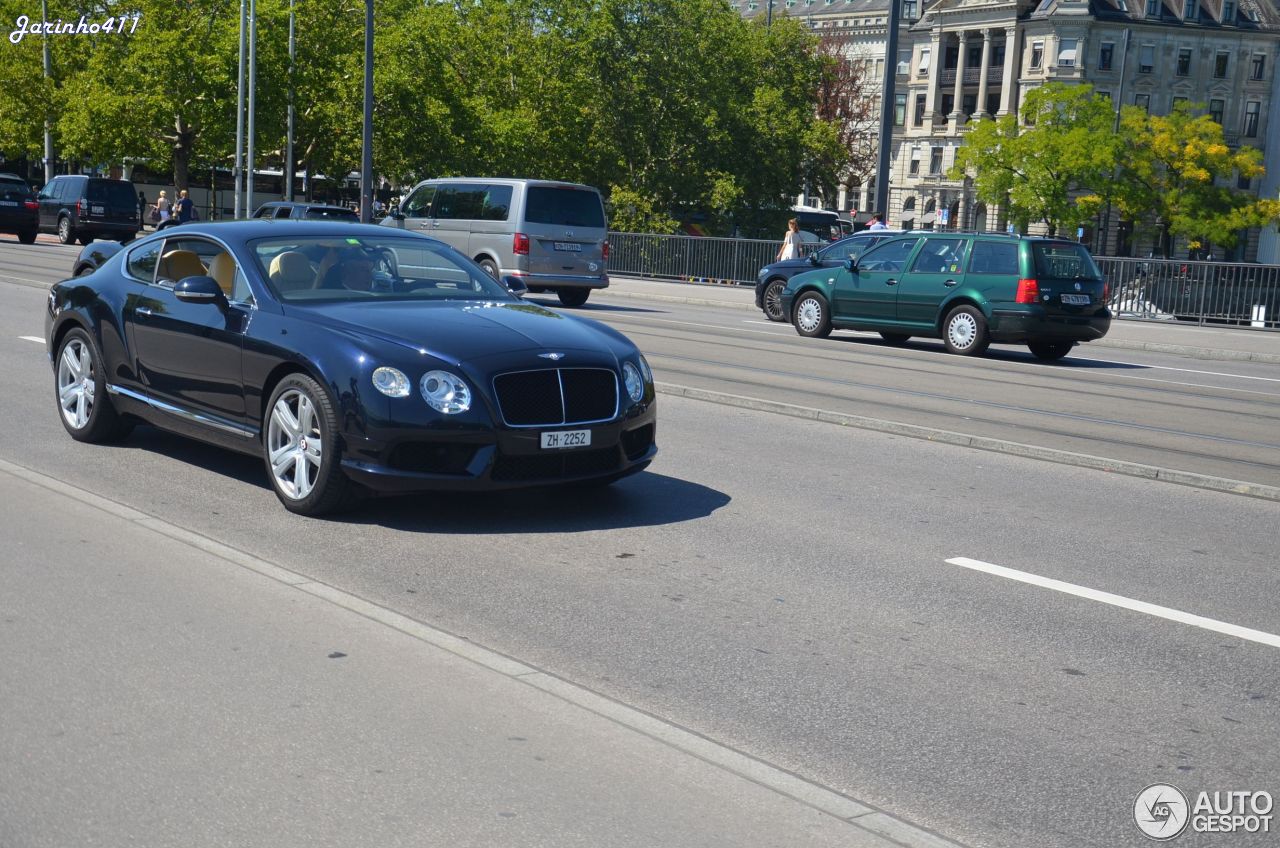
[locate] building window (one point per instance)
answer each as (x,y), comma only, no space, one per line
(1067,52)
(1257,66)
(952,57)
(1106,55)
(1143,102)
(899,109)
(1243,182)
(974,59)
(997,55)
(935,162)
(948,103)
(1216,108)
(1189,10)
(1146,58)
(909,9)
(1229,11)
(970,105)
(879,69)
(1104,94)
(1037,54)
(1184,62)
(904,62)
(923,67)
(914,168)
(1153,8)
(1251,110)
(1178,100)
(919,116)
(1220,63)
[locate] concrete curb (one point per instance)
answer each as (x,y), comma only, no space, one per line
(871,827)
(1218,354)
(915,431)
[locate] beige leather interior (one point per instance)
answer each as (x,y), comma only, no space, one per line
(223,269)
(179,264)
(291,271)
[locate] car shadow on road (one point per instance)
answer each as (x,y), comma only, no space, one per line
(1076,359)
(553,302)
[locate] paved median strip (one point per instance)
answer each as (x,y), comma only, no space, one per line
(869,828)
(916,431)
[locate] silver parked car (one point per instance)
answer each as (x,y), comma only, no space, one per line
(551,234)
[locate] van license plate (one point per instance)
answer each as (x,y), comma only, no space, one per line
(98,210)
(566,439)
(1076,299)
(570,246)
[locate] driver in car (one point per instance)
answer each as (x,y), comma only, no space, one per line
(353,270)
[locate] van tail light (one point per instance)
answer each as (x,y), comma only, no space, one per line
(1028,291)
(1106,291)
(604,251)
(520,244)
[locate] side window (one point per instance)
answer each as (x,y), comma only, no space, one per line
(284,211)
(890,256)
(940,256)
(182,258)
(468,202)
(418,204)
(446,202)
(847,249)
(497,203)
(994,257)
(263,212)
(59,189)
(141,263)
(240,291)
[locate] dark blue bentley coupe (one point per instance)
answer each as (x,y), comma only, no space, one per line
(350,358)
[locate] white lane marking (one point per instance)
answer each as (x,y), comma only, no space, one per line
(1189,370)
(25,280)
(1120,601)
(39,339)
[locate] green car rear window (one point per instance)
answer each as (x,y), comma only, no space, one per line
(1064,261)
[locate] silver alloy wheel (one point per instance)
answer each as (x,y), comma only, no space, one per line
(75,384)
(773,301)
(809,315)
(962,330)
(64,230)
(293,444)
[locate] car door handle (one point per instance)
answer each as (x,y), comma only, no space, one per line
(950,283)
(891,282)
(143,311)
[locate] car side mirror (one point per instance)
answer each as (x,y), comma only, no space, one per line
(200,289)
(515,285)
(396,214)
(813,259)
(851,265)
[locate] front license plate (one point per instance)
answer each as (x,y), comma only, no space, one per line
(98,210)
(566,439)
(1076,299)
(570,246)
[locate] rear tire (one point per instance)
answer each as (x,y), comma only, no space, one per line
(80,389)
(1050,351)
(772,300)
(895,338)
(301,433)
(964,331)
(573,297)
(489,267)
(29,237)
(66,232)
(812,316)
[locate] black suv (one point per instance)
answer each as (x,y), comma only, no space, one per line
(85,208)
(18,210)
(305,211)
(773,277)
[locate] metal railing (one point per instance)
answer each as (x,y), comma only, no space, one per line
(1142,289)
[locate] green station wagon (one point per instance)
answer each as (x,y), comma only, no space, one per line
(967,289)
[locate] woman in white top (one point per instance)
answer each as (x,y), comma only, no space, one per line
(790,242)
(162,206)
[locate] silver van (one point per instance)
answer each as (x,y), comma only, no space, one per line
(550,234)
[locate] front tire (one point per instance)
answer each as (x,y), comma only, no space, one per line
(301,449)
(28,237)
(573,297)
(964,331)
(80,387)
(772,300)
(1050,351)
(66,232)
(812,316)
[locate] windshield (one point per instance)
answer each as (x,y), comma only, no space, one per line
(328,268)
(1064,261)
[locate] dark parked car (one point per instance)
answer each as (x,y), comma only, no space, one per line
(85,208)
(305,211)
(773,277)
(351,358)
(19,212)
(969,290)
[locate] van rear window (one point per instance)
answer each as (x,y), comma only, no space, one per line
(567,207)
(115,192)
(1064,261)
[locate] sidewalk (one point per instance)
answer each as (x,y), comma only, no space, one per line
(160,688)
(1219,343)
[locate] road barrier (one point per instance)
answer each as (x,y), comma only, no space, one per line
(1237,294)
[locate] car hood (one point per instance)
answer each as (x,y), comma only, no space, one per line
(460,330)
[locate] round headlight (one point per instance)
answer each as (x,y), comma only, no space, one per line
(445,392)
(635,385)
(391,382)
(645,370)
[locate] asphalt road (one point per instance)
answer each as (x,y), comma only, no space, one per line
(783,586)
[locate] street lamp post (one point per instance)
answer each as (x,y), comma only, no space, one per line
(253,87)
(883,162)
(288,146)
(48,72)
(236,173)
(366,159)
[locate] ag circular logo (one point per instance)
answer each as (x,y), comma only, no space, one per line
(1161,811)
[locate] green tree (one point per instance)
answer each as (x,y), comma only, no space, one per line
(1177,175)
(1047,163)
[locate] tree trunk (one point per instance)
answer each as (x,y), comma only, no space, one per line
(183,140)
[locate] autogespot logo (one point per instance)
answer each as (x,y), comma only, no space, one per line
(1161,811)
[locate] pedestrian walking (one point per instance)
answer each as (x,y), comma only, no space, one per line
(877,222)
(142,206)
(161,212)
(790,242)
(186,207)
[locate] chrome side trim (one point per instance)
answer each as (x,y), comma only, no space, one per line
(208,421)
